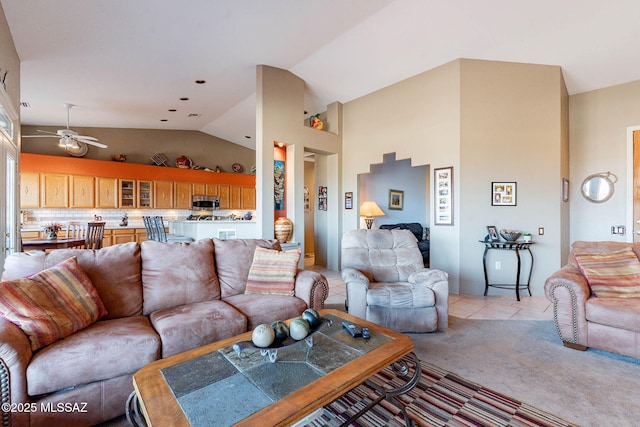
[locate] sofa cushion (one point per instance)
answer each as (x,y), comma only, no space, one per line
(106,349)
(51,304)
(233,261)
(260,309)
(614,312)
(611,274)
(113,270)
(189,326)
(273,272)
(177,273)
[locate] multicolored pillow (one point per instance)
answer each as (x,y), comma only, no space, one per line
(611,274)
(51,304)
(273,272)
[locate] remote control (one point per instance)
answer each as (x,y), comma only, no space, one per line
(352,329)
(365,333)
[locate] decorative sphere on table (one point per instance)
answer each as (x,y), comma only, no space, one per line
(298,328)
(263,335)
(281,331)
(311,316)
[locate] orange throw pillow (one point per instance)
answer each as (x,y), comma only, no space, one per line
(273,272)
(51,304)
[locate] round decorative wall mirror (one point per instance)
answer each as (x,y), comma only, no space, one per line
(598,188)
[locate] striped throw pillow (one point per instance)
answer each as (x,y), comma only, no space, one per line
(273,272)
(51,304)
(611,274)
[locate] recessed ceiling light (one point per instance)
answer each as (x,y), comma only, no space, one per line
(201,82)
(247,136)
(173,110)
(184,99)
(164,120)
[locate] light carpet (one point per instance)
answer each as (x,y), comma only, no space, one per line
(526,360)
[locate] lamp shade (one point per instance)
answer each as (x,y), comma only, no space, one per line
(370,209)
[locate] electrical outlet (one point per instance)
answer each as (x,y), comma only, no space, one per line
(498,265)
(540,231)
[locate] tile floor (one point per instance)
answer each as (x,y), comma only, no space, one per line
(501,307)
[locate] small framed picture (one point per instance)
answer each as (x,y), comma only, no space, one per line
(348,200)
(493,233)
(396,200)
(503,194)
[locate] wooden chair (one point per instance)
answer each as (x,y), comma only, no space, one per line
(77,230)
(95,233)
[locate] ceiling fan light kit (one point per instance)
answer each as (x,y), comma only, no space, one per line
(74,144)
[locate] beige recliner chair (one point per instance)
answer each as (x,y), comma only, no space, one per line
(387,283)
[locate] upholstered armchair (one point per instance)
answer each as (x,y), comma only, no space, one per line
(387,283)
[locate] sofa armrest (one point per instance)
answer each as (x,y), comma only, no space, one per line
(311,287)
(357,286)
(568,290)
(15,355)
(438,281)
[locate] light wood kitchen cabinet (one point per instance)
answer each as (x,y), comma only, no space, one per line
(82,191)
(225,196)
(182,195)
(55,190)
(106,193)
(29,190)
(236,197)
(126,193)
(145,194)
(141,235)
(163,194)
(123,235)
(201,189)
(248,198)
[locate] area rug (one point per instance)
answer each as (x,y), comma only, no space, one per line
(441,398)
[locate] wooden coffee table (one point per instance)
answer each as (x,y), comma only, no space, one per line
(215,384)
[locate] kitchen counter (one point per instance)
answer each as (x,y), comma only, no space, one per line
(223,229)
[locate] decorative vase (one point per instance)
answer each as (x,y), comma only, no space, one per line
(52,235)
(283,228)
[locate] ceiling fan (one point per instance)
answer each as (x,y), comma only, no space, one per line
(69,139)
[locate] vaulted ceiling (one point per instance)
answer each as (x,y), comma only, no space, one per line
(126,63)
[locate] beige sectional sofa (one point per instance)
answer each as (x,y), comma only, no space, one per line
(161,299)
(583,320)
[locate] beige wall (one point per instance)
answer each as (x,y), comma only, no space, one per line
(511,130)
(10,61)
(418,119)
(140,144)
(491,121)
(279,117)
(599,127)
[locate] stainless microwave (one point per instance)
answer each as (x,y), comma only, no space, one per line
(205,203)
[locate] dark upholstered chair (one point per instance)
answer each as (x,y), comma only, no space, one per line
(387,283)
(418,231)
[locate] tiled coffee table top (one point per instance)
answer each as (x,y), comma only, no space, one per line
(224,387)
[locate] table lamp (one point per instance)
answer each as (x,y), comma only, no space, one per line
(368,210)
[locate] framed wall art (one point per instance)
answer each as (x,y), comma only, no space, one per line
(396,200)
(322,198)
(503,194)
(443,190)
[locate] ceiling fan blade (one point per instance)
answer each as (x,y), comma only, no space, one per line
(97,144)
(46,131)
(40,136)
(90,138)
